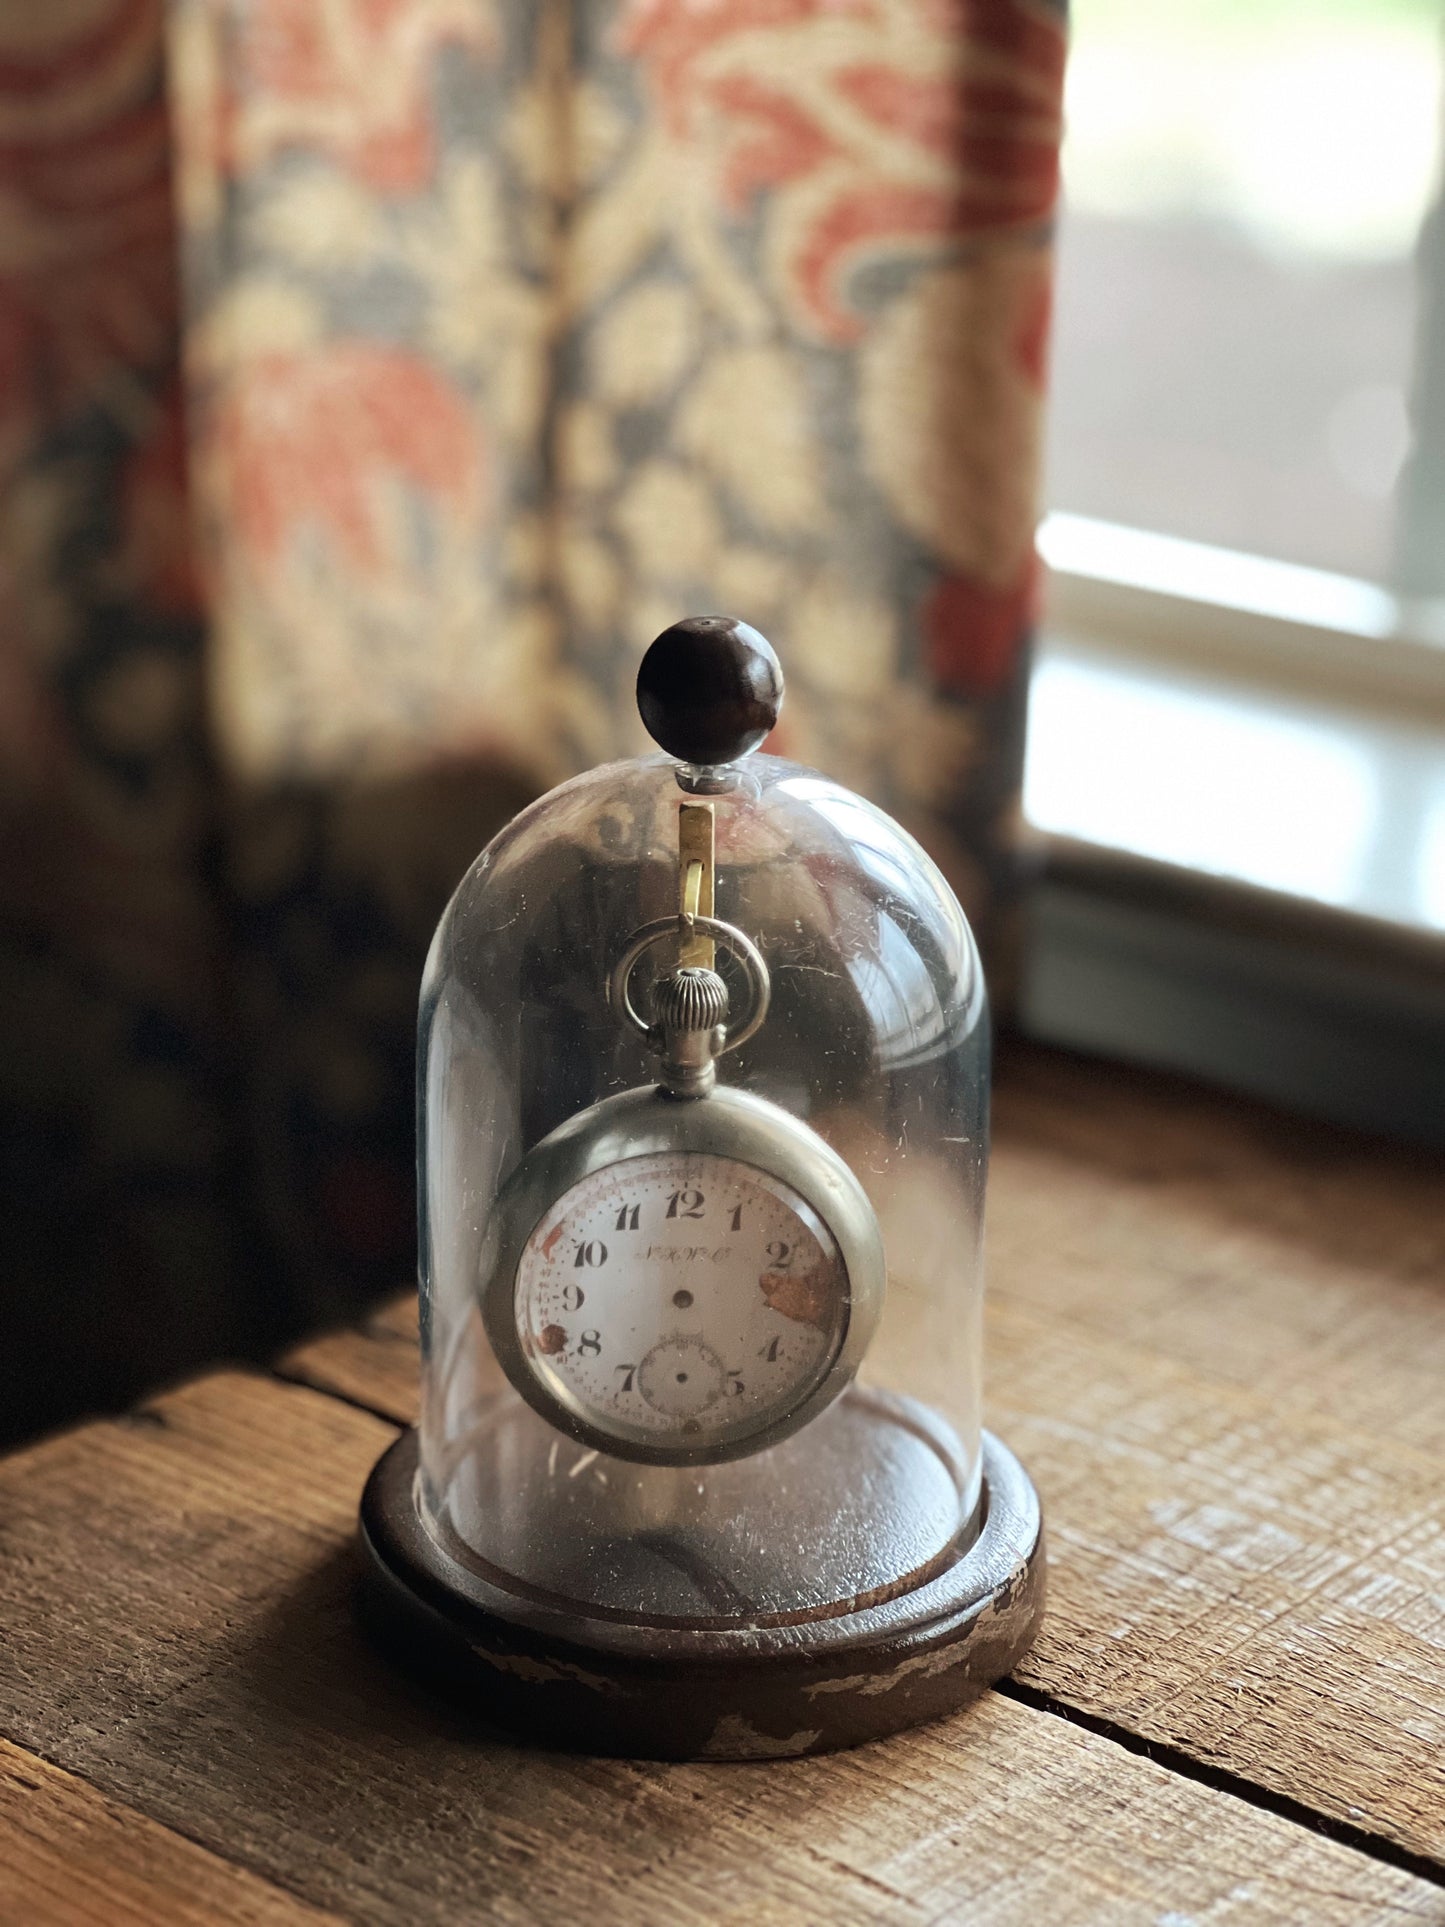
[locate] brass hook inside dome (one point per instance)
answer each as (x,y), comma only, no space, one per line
(697,878)
(681,928)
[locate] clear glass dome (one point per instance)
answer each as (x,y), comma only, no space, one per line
(876,1039)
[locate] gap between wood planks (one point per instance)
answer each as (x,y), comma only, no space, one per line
(268,1728)
(307,1383)
(78,1857)
(1220,1780)
(1174,1759)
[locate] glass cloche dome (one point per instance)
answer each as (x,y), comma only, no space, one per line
(703,1083)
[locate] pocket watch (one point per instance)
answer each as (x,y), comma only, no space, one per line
(685,1272)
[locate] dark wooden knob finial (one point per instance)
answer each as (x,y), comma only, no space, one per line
(709,689)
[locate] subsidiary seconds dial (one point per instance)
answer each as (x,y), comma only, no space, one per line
(681,1300)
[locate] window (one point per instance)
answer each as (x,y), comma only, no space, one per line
(1242,674)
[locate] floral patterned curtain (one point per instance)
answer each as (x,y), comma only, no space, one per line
(379,376)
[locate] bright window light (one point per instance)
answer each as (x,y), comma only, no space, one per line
(1431,884)
(1170,565)
(1165,769)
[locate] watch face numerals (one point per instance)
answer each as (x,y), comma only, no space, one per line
(680,1299)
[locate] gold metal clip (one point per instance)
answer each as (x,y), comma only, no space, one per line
(695,858)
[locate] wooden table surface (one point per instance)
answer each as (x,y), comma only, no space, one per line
(1217,1338)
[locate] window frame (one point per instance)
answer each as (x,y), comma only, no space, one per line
(1319,1009)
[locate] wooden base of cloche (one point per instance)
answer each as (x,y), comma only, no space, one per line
(593,1685)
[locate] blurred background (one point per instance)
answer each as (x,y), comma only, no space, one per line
(1241,683)
(1237,316)
(377,379)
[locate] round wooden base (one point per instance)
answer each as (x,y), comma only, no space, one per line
(760,1692)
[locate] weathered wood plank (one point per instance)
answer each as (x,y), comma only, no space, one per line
(1218,1341)
(1255,1249)
(1262,1589)
(375,1365)
(69,1857)
(1230,1574)
(175,1590)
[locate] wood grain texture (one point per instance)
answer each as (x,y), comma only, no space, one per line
(1262,1590)
(1217,1340)
(176,1593)
(1256,1249)
(69,1857)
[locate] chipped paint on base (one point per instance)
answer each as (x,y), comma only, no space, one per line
(521,1666)
(734,1738)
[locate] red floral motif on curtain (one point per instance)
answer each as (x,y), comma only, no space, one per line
(351,81)
(890,153)
(310,443)
(88,273)
(973,631)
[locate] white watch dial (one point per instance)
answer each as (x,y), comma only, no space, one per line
(680,1298)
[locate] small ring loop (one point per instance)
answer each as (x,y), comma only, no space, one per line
(619,994)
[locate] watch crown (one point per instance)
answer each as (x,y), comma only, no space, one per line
(691,999)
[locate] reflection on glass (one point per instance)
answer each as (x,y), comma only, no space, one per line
(900,998)
(878,844)
(894,981)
